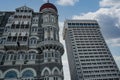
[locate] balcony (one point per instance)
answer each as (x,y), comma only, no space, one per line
(16,45)
(52,45)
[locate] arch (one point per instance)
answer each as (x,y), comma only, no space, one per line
(11,52)
(33,40)
(55,71)
(28,72)
(2,51)
(20,55)
(11,73)
(21,52)
(32,50)
(0,74)
(34,37)
(45,71)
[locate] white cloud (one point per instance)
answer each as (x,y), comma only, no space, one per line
(67,2)
(109,3)
(114,42)
(117,60)
(108,18)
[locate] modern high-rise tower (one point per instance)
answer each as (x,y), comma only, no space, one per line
(29,44)
(88,55)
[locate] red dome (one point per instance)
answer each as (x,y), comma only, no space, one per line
(48,5)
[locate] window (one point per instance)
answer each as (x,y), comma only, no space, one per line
(9,56)
(9,38)
(11,74)
(28,73)
(33,41)
(20,38)
(0,41)
(45,54)
(52,18)
(31,56)
(26,22)
(46,78)
(7,28)
(46,73)
(1,56)
(55,78)
(45,18)
(16,22)
(21,55)
(34,29)
(25,38)
(17,10)
(56,72)
(14,38)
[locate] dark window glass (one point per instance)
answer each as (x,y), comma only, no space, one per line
(28,73)
(11,74)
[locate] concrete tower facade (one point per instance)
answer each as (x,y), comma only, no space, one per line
(29,44)
(88,55)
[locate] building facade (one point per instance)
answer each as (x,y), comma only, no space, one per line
(88,55)
(29,44)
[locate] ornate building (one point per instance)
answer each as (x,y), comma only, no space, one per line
(29,44)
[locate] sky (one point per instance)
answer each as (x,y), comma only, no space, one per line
(106,12)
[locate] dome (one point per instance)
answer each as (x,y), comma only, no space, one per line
(48,5)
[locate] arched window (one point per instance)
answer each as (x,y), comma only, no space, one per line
(11,74)
(52,18)
(45,18)
(56,72)
(32,55)
(9,55)
(34,29)
(46,73)
(33,41)
(55,78)
(28,73)
(20,55)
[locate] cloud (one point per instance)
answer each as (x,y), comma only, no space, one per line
(117,60)
(109,3)
(67,2)
(108,18)
(114,42)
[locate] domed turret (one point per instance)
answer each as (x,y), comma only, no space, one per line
(48,5)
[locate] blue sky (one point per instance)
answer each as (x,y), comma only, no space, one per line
(106,12)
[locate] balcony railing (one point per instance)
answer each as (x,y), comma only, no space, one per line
(15,45)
